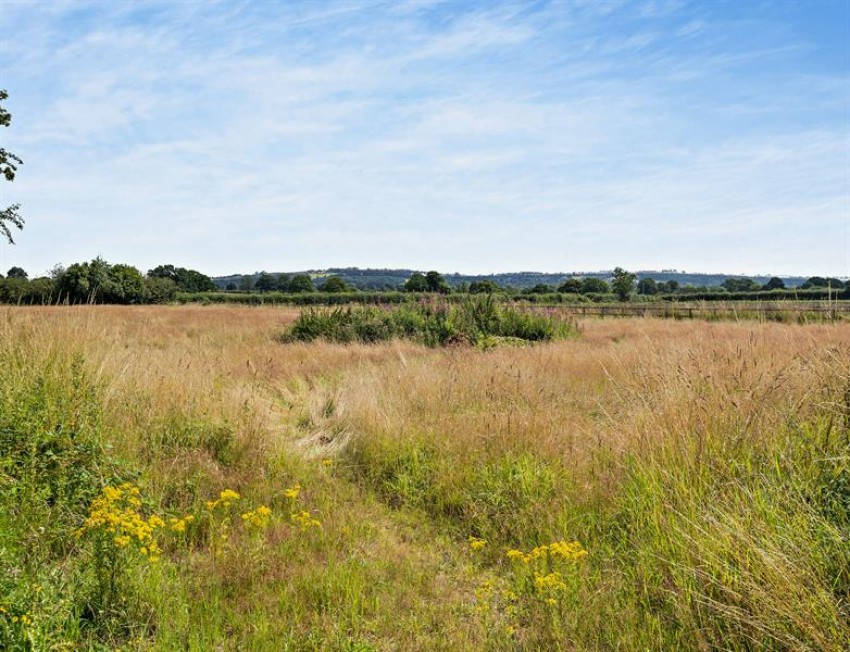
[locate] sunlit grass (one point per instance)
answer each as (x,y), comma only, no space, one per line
(392,497)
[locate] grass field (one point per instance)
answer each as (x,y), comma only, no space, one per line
(176,478)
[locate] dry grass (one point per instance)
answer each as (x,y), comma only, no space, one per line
(667,447)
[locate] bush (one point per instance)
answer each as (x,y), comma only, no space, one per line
(476,320)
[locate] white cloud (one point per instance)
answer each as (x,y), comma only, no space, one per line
(436,135)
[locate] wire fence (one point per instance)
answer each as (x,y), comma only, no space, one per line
(801,311)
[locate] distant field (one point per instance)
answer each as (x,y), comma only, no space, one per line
(651,484)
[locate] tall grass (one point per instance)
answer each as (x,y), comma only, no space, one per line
(704,468)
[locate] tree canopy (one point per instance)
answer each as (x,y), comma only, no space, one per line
(334,284)
(623,283)
(17,272)
(8,167)
(570,286)
(820,282)
(593,285)
(186,280)
(416,283)
(436,282)
(740,285)
(100,282)
(647,286)
(265,282)
(484,287)
(775,283)
(540,288)
(301,283)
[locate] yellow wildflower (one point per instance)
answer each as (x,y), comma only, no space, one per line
(550,582)
(116,512)
(293,491)
(225,498)
(257,518)
(304,520)
(517,555)
(569,551)
(228,495)
(475,543)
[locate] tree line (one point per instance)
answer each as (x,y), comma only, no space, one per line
(621,285)
(98,281)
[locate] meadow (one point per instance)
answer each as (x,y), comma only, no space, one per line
(189,478)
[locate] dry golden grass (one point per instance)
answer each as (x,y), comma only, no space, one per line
(201,398)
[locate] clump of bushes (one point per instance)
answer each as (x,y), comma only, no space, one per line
(477,321)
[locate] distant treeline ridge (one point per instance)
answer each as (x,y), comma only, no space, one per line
(98,281)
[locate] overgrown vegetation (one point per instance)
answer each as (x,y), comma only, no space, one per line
(172,478)
(474,321)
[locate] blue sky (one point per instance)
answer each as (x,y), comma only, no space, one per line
(460,136)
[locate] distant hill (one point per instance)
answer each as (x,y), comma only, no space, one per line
(392,279)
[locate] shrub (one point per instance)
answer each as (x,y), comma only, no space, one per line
(474,321)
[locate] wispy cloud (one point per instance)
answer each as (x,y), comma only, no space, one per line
(462,136)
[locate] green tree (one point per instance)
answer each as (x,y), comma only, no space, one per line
(99,282)
(774,283)
(647,286)
(740,285)
(820,282)
(334,284)
(668,287)
(436,282)
(301,283)
(74,285)
(16,272)
(540,288)
(8,167)
(13,290)
(247,283)
(160,290)
(265,282)
(570,286)
(194,281)
(40,290)
(282,284)
(187,280)
(593,285)
(416,283)
(623,283)
(814,282)
(124,284)
(485,286)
